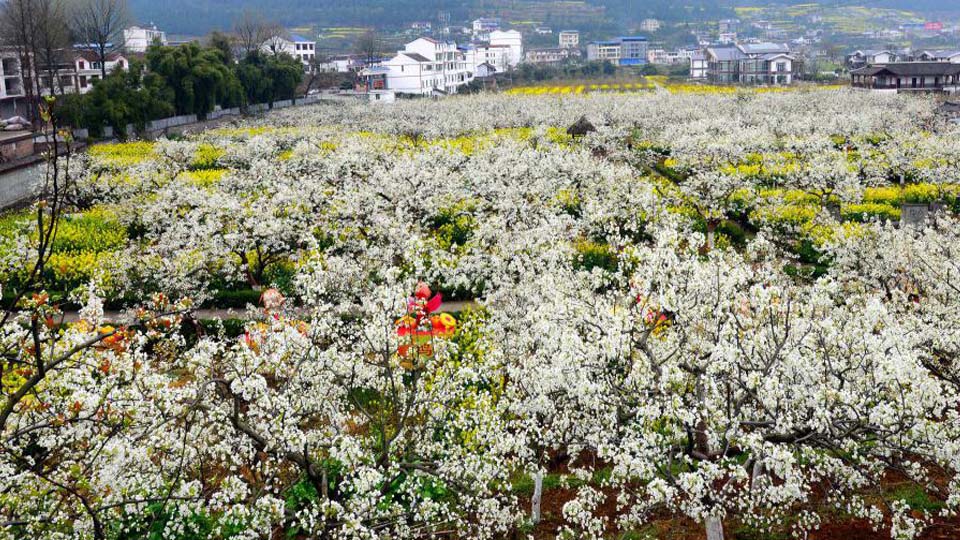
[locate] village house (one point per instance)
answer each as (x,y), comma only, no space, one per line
(511,39)
(550,56)
(137,39)
(12,92)
(569,39)
(425,67)
(859,59)
(751,63)
(698,65)
(86,69)
(665,57)
(902,77)
(623,51)
(297,46)
(952,56)
(496,56)
(482,27)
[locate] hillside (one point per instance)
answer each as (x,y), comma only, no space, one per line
(201,16)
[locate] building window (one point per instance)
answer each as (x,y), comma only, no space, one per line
(781,66)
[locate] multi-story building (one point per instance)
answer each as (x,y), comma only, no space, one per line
(12,92)
(295,45)
(569,39)
(751,63)
(603,50)
(623,51)
(496,56)
(699,65)
(663,56)
(424,67)
(511,39)
(551,56)
(633,50)
(137,39)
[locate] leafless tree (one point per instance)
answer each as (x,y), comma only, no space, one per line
(99,24)
(369,45)
(253,31)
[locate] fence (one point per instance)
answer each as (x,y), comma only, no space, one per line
(155,127)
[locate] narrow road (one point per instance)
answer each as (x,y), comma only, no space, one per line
(227,314)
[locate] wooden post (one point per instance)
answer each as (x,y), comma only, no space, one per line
(537,497)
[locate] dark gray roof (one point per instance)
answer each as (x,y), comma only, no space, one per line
(911,69)
(416,56)
(724,54)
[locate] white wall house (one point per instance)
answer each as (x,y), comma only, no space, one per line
(511,39)
(424,67)
(867,57)
(750,63)
(86,68)
(497,56)
(481,28)
(295,45)
(604,50)
(137,39)
(663,56)
(569,39)
(698,65)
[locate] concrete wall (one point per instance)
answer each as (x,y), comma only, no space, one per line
(16,148)
(19,186)
(157,127)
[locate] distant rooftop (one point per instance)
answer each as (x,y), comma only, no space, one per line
(764,48)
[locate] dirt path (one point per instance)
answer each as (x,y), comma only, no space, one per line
(238,313)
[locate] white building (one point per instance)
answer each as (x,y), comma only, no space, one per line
(624,51)
(663,56)
(12,92)
(869,57)
(726,38)
(86,69)
(550,56)
(751,63)
(497,56)
(483,26)
(511,39)
(569,39)
(297,46)
(603,50)
(649,25)
(137,39)
(698,65)
(424,67)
